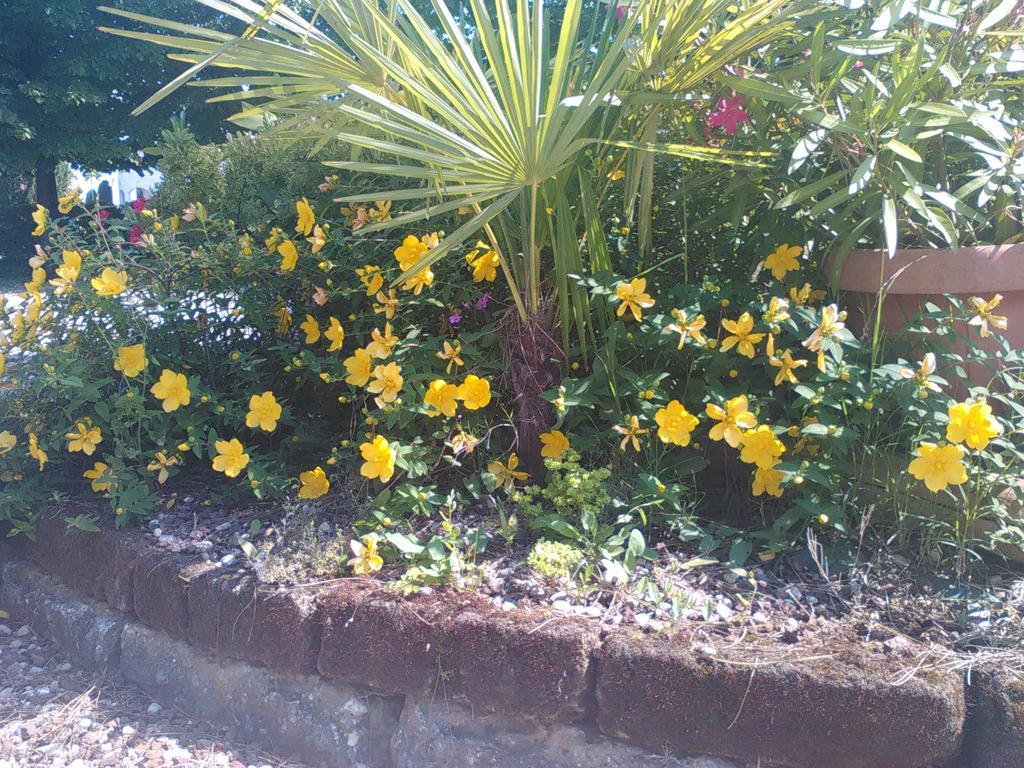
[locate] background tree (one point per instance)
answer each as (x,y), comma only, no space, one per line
(67,90)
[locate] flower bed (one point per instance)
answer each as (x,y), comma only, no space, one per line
(881,702)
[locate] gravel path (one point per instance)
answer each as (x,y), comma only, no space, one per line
(55,715)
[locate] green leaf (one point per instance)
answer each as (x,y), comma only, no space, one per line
(889,225)
(903,150)
(760,89)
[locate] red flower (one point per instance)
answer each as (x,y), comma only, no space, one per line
(729,114)
(102,215)
(135,235)
(139,204)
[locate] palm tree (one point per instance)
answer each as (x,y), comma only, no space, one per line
(494,117)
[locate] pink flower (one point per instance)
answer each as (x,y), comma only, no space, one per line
(729,114)
(620,11)
(139,204)
(858,64)
(135,235)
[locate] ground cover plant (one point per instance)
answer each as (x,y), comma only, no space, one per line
(511,352)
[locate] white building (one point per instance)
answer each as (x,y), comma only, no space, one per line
(125,185)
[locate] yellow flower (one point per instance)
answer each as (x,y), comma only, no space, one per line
(370,276)
(731,420)
(777,312)
(100,476)
(381,210)
(675,423)
(162,464)
(34,286)
(983,316)
(284,317)
(923,375)
(387,382)
(786,365)
(335,334)
(617,175)
(939,466)
(382,343)
(35,451)
(40,216)
(388,304)
(358,365)
(483,260)
(451,353)
(505,475)
(3,360)
(110,282)
(633,297)
(554,443)
(827,328)
(441,398)
(173,389)
(767,480)
(264,411)
(366,559)
(131,361)
(311,328)
(289,256)
(318,240)
(314,484)
(972,423)
(783,259)
(67,272)
(687,328)
(422,279)
(413,249)
(378,459)
(66,202)
(474,392)
(805,295)
(631,433)
(741,337)
(761,447)
(85,439)
(275,237)
(231,457)
(306,218)
(7,442)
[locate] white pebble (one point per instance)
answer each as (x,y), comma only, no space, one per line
(154,709)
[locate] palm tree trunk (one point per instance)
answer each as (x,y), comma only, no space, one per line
(533,358)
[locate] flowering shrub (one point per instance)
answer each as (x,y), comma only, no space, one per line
(147,345)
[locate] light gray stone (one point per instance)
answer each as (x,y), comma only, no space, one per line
(87,631)
(439,735)
(317,721)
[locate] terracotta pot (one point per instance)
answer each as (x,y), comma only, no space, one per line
(918,275)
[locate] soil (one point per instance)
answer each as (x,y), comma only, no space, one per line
(880,595)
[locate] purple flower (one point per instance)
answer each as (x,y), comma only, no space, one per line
(455,318)
(481,303)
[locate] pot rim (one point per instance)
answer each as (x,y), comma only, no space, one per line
(976,269)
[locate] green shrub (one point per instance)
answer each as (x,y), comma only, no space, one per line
(554,559)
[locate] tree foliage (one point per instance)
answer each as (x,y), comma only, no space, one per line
(67,89)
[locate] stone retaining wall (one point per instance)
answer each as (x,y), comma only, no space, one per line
(452,681)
